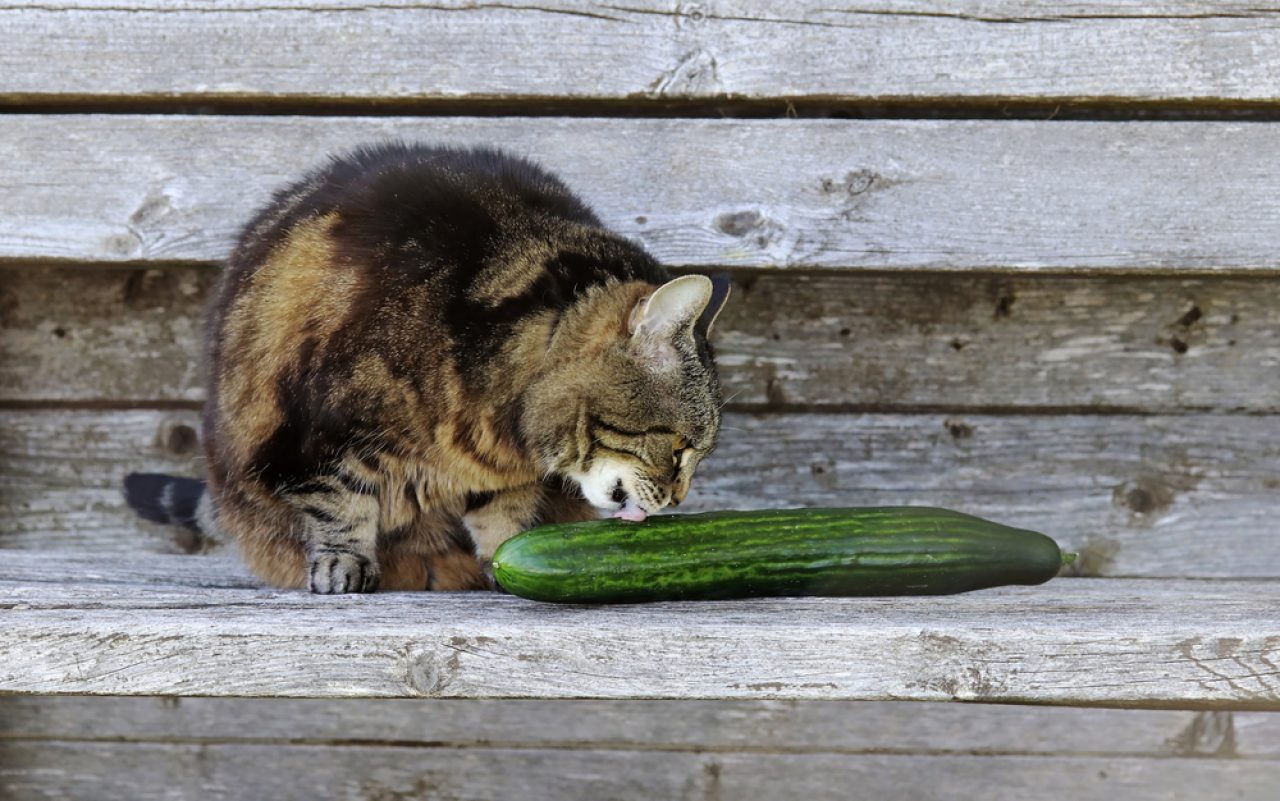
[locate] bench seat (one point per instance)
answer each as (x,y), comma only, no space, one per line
(200,626)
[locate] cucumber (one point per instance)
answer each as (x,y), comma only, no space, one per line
(903,550)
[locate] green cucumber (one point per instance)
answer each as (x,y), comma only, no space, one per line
(894,550)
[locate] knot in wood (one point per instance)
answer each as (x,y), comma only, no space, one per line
(425,675)
(739,223)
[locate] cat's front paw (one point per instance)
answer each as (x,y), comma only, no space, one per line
(334,572)
(488,579)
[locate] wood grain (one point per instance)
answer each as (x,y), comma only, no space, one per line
(133,772)
(127,772)
(894,195)
(1133,493)
(1192,495)
(61,477)
(1071,641)
(641,51)
(947,341)
(1257,735)
(102,335)
(761,726)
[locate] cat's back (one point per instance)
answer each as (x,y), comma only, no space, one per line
(394,272)
(478,227)
(379,223)
(453,203)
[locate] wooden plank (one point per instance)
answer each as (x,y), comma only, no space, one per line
(116,335)
(648,49)
(134,772)
(1135,496)
(899,195)
(63,488)
(950,341)
(1072,641)
(1256,735)
(765,726)
(1154,496)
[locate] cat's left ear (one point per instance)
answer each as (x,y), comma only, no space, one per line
(673,309)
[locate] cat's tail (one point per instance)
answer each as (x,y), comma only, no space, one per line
(172,500)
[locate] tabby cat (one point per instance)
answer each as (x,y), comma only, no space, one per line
(416,353)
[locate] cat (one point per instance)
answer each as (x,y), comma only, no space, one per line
(416,352)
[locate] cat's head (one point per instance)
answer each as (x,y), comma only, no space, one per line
(633,403)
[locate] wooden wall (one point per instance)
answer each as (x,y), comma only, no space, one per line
(1017,258)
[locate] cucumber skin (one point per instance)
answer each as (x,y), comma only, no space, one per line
(867,551)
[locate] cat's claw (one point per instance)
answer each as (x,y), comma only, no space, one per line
(490,580)
(336,572)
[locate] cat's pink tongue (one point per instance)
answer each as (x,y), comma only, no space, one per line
(631,511)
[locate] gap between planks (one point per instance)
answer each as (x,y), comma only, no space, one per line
(941,107)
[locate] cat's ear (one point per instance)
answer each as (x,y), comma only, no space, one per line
(720,287)
(673,308)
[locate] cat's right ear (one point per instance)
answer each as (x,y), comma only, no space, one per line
(672,309)
(669,314)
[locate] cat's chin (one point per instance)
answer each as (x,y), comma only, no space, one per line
(631,511)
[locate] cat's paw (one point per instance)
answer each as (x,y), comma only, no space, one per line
(488,579)
(334,572)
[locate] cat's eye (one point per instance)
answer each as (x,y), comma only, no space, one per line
(677,451)
(680,457)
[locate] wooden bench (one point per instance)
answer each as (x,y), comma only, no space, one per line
(1013,258)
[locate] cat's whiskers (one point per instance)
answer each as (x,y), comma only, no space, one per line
(729,399)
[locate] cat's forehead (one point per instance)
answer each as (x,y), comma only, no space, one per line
(689,411)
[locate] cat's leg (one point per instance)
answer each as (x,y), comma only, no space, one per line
(340,533)
(494,518)
(433,552)
(563,503)
(457,569)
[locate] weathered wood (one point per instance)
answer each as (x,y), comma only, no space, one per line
(1256,735)
(1071,641)
(946,341)
(137,772)
(117,335)
(61,477)
(1150,496)
(896,195)
(162,573)
(880,49)
(765,726)
(1192,495)
(953,342)
(102,771)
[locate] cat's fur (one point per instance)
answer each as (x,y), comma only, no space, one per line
(415,353)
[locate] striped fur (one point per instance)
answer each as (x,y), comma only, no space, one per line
(416,353)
